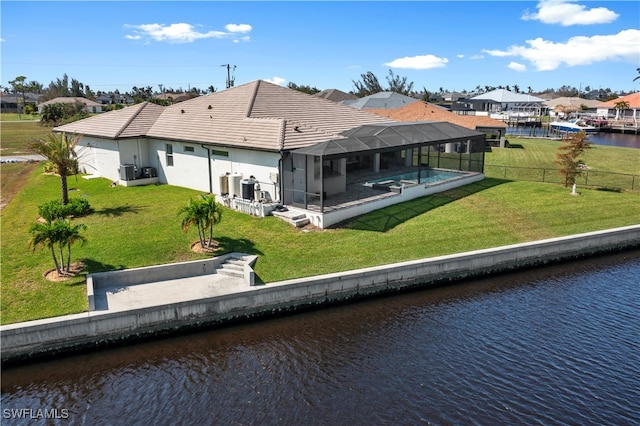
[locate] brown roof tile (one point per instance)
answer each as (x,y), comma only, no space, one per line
(423,111)
(259,115)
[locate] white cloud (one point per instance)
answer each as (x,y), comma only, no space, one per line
(517,67)
(566,13)
(418,62)
(460,55)
(238,28)
(546,55)
(476,57)
(183,33)
(276,80)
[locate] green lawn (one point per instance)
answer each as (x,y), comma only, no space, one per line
(16,135)
(138,226)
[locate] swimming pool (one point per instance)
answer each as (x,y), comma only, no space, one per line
(426,176)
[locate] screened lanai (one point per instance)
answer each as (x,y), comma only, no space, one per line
(378,161)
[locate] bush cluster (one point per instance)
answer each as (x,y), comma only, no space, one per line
(76,207)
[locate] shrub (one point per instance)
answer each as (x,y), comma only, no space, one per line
(53,210)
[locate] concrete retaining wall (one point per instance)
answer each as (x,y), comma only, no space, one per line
(34,339)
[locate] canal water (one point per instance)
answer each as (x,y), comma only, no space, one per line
(627,140)
(558,345)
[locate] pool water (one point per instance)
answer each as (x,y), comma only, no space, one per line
(426,176)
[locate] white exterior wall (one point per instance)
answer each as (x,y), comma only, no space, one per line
(103,157)
(100,157)
(191,170)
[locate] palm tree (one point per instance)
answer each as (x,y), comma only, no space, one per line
(621,106)
(212,214)
(192,215)
(59,149)
(58,234)
(203,213)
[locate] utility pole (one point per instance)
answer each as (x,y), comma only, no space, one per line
(230,79)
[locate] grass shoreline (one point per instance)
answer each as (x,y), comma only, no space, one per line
(131,227)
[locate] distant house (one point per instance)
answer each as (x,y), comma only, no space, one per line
(452,96)
(90,107)
(381,100)
(258,146)
(558,106)
(174,98)
(9,102)
(495,130)
(114,98)
(501,100)
(631,113)
(336,95)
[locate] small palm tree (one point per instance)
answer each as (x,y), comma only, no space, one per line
(58,236)
(191,214)
(212,213)
(59,149)
(203,213)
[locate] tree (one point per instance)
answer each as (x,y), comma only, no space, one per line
(621,106)
(304,89)
(58,236)
(368,86)
(59,149)
(398,84)
(19,87)
(567,157)
(203,213)
(638,76)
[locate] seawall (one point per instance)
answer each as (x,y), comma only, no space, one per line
(47,337)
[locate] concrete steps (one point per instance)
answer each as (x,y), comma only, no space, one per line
(297,219)
(232,268)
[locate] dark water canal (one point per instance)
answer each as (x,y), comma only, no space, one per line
(557,345)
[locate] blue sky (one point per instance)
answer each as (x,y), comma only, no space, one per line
(454,45)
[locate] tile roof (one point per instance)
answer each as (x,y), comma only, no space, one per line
(132,121)
(70,100)
(505,96)
(572,101)
(424,111)
(381,100)
(259,115)
(633,99)
(336,95)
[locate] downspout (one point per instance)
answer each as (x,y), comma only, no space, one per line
(209,162)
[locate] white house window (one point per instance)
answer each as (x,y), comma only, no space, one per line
(169,151)
(188,149)
(219,153)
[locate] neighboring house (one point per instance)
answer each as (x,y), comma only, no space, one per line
(452,96)
(632,113)
(558,106)
(9,102)
(382,100)
(501,100)
(90,107)
(260,145)
(174,98)
(336,95)
(114,98)
(495,130)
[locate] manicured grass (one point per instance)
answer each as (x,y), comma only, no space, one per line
(15,136)
(138,226)
(541,153)
(533,160)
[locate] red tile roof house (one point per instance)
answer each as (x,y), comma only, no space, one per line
(260,146)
